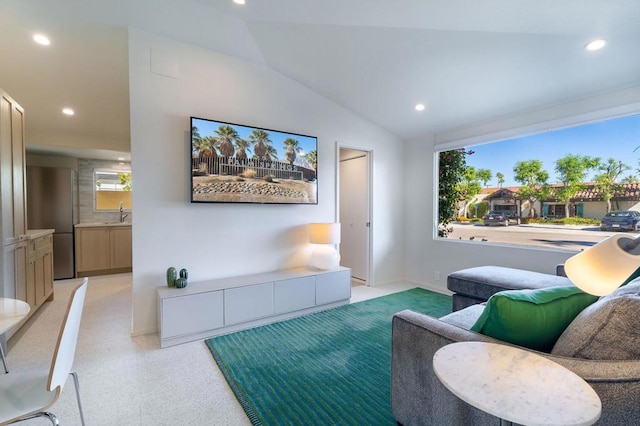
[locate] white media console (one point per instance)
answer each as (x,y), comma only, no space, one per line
(211,308)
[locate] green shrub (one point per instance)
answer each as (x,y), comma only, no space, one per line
(562,221)
(576,221)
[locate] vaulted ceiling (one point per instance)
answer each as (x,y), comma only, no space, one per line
(466,60)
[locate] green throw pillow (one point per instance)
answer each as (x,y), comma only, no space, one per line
(534,319)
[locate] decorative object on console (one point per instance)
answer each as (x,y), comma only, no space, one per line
(172,275)
(606,266)
(325,256)
(181,282)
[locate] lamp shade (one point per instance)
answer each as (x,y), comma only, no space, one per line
(602,268)
(324,233)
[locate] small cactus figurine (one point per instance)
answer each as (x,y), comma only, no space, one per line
(171,277)
(184,274)
(181,283)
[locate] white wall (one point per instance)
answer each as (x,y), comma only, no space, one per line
(426,257)
(220,240)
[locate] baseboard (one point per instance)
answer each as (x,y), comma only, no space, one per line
(432,287)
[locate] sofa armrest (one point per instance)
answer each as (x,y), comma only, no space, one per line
(419,398)
(617,383)
(417,395)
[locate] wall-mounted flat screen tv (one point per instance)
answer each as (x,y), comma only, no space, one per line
(234,163)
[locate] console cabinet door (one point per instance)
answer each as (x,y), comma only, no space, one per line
(248,303)
(191,314)
(295,294)
(333,287)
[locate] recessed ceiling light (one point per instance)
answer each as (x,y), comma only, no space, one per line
(595,44)
(419,107)
(41,39)
(238,1)
(120,158)
(68,111)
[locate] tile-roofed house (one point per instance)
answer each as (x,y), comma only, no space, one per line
(587,203)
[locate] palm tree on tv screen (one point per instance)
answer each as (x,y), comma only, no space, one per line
(206,146)
(312,158)
(227,136)
(293,146)
(272,153)
(260,139)
(243,146)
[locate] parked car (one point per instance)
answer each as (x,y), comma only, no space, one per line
(496,217)
(621,220)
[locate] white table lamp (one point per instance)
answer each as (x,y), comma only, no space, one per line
(325,256)
(601,269)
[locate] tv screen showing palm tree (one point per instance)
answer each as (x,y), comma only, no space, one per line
(234,163)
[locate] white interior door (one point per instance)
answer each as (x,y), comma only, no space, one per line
(354,211)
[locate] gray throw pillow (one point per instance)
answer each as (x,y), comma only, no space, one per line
(606,330)
(632,288)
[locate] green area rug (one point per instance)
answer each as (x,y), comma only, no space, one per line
(328,368)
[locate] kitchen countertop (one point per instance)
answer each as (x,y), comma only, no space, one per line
(101,224)
(32,234)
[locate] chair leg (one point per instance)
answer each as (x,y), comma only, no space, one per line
(50,416)
(4,361)
(77,386)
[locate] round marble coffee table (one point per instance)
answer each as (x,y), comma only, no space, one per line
(516,385)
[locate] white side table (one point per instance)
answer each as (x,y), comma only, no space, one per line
(12,311)
(516,385)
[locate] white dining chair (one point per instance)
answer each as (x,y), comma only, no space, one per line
(27,395)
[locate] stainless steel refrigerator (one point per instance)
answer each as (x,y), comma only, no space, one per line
(52,203)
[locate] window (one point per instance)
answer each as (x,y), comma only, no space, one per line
(560,183)
(112,187)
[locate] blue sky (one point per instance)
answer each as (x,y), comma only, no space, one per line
(209,127)
(613,138)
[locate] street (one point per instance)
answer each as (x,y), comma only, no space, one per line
(541,235)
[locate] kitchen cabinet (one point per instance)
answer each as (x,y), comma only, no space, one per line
(27,260)
(12,170)
(12,198)
(39,268)
(121,247)
(102,249)
(14,271)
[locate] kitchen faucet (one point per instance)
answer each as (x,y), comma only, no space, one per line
(123,215)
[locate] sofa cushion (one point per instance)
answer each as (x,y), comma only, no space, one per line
(532,318)
(606,330)
(483,281)
(464,318)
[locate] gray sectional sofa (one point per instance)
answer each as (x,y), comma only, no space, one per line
(601,345)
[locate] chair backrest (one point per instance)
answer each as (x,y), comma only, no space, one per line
(66,346)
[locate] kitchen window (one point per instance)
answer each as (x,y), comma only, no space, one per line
(111,188)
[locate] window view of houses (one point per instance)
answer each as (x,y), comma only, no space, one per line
(570,177)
